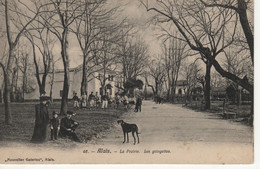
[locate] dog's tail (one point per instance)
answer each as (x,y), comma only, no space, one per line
(137,131)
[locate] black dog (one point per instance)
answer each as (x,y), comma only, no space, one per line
(129,128)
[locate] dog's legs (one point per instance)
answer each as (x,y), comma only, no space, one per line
(124,137)
(127,138)
(133,136)
(137,137)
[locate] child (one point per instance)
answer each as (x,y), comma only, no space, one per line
(76,101)
(125,101)
(55,125)
(117,100)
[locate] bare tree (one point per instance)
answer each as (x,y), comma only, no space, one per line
(104,57)
(62,14)
(242,7)
(52,76)
(205,30)
(24,64)
(39,37)
(190,72)
(156,75)
(174,52)
(89,28)
(133,58)
(16,22)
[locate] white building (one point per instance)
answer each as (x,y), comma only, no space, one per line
(94,84)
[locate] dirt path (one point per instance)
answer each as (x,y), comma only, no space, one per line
(168,123)
(191,137)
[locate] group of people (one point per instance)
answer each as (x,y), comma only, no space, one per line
(105,101)
(64,127)
(93,100)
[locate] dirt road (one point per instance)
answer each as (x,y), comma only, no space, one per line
(164,123)
(192,137)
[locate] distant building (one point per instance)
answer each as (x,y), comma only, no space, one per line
(94,84)
(181,85)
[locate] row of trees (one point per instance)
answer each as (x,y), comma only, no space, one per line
(210,29)
(105,40)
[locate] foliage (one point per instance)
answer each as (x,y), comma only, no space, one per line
(133,83)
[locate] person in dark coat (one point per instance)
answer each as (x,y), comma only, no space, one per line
(41,121)
(138,104)
(68,127)
(76,101)
(91,100)
(55,125)
(104,100)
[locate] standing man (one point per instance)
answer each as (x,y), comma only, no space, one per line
(91,99)
(84,100)
(117,99)
(125,101)
(68,127)
(97,101)
(76,101)
(41,121)
(104,99)
(138,101)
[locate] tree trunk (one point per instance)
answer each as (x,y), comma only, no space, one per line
(83,87)
(52,81)
(251,118)
(238,97)
(8,116)
(173,90)
(169,86)
(156,88)
(43,83)
(6,96)
(24,83)
(207,85)
(66,83)
(242,7)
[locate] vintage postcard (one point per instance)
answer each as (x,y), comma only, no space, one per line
(127,82)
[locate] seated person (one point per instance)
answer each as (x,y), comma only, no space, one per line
(68,127)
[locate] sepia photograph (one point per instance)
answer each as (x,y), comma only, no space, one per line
(127,82)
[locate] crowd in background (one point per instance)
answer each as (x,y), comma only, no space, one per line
(105,101)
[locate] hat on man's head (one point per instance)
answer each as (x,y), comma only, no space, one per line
(70,112)
(54,112)
(44,98)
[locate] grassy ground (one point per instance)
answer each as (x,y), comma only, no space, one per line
(242,111)
(92,124)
